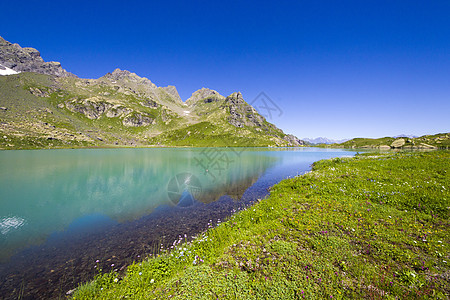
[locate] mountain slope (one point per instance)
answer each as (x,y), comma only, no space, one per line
(225,121)
(50,108)
(436,141)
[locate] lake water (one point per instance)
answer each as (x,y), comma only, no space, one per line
(61,210)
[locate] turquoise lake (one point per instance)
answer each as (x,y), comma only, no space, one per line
(61,210)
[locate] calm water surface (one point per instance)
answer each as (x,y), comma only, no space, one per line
(61,210)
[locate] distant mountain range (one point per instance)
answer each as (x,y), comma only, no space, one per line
(44,106)
(411,136)
(323,140)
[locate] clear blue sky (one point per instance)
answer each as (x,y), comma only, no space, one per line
(338,69)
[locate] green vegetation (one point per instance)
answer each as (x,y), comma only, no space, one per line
(364,142)
(207,134)
(373,226)
(123,109)
(436,141)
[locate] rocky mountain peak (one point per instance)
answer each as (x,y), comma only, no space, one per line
(32,52)
(235,99)
(121,75)
(204,94)
(28,60)
(172,90)
(102,108)
(236,96)
(118,72)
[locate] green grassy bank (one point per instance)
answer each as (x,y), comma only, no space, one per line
(373,226)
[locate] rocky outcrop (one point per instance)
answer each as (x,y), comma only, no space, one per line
(398,143)
(137,120)
(95,108)
(40,93)
(241,113)
(205,95)
(28,60)
(118,111)
(149,103)
(425,146)
(119,75)
(167,115)
(234,102)
(172,91)
(90,108)
(293,141)
(128,83)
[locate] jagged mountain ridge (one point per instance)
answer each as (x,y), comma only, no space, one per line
(28,60)
(42,110)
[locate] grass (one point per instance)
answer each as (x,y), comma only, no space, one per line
(440,141)
(33,99)
(361,142)
(206,134)
(373,226)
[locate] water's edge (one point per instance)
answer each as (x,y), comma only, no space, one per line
(69,258)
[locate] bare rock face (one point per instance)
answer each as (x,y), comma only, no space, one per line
(91,109)
(28,60)
(293,141)
(119,75)
(241,113)
(137,120)
(39,93)
(206,95)
(398,143)
(94,108)
(118,111)
(383,147)
(150,103)
(172,91)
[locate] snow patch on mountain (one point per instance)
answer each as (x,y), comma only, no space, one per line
(7,71)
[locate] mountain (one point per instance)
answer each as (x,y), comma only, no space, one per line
(405,135)
(435,141)
(6,71)
(27,59)
(44,106)
(323,140)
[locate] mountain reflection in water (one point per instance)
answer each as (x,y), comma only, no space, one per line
(62,210)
